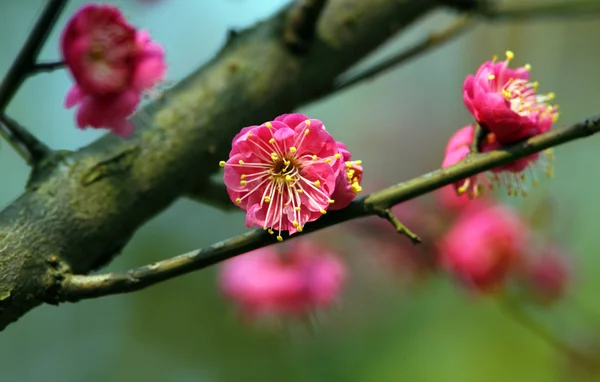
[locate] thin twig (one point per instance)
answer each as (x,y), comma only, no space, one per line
(25,143)
(521,316)
(21,68)
(301,23)
(388,215)
(25,61)
(478,135)
(77,287)
(433,40)
(543,9)
(46,67)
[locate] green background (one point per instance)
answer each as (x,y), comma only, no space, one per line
(383,330)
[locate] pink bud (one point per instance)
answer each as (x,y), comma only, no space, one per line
(267,283)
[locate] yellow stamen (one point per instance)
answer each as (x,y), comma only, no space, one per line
(267,199)
(317,183)
(338,156)
(307,122)
(238,201)
(328,160)
(268,125)
(241,162)
(272,140)
(292,149)
(331,201)
(295,224)
(323,212)
(509,55)
(314,157)
(243,183)
(491,77)
(270,231)
(306,131)
(222,163)
(279,238)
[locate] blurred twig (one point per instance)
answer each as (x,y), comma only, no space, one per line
(543,9)
(514,310)
(26,144)
(433,40)
(47,67)
(20,69)
(77,287)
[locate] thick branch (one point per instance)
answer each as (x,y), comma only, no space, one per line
(79,212)
(76,287)
(301,23)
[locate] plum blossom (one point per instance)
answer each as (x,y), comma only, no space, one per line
(505,102)
(264,282)
(284,173)
(547,275)
(512,176)
(347,184)
(112,64)
(483,246)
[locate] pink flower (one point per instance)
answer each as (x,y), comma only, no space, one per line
(283,173)
(483,245)
(547,276)
(512,176)
(457,149)
(112,64)
(505,103)
(266,283)
(347,184)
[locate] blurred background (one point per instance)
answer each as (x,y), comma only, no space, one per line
(388,325)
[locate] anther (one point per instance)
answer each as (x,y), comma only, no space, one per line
(243,183)
(270,231)
(241,162)
(272,140)
(267,199)
(222,163)
(323,212)
(307,122)
(238,201)
(268,125)
(509,55)
(306,131)
(317,183)
(331,201)
(279,238)
(337,156)
(491,77)
(292,149)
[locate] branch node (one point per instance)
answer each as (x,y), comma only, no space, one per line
(388,215)
(26,144)
(301,24)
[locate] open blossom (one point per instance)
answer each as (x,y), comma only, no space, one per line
(283,173)
(505,102)
(267,283)
(112,64)
(512,176)
(483,245)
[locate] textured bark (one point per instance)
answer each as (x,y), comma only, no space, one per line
(81,208)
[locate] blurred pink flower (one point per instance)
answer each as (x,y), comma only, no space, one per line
(283,173)
(483,245)
(548,275)
(112,64)
(505,102)
(267,283)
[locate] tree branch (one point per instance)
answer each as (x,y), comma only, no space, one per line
(79,211)
(46,67)
(301,23)
(213,193)
(27,57)
(24,142)
(543,9)
(77,287)
(433,40)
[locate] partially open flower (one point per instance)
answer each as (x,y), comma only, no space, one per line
(283,173)
(112,64)
(505,102)
(483,245)
(302,278)
(348,182)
